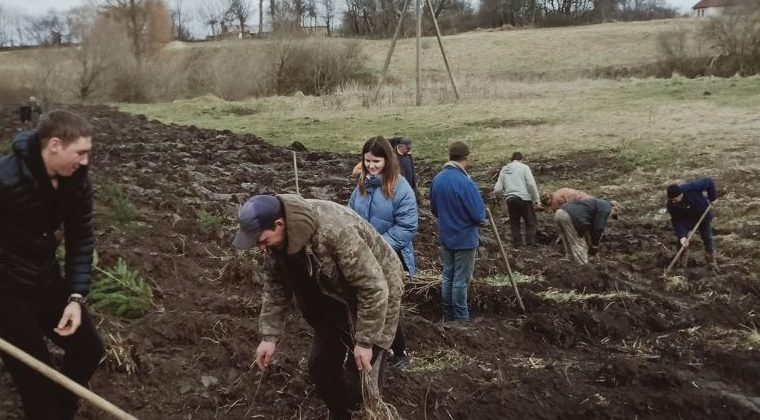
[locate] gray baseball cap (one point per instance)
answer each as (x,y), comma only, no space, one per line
(256,215)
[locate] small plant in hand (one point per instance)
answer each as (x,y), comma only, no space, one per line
(121,291)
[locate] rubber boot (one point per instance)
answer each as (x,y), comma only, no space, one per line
(711,258)
(683,260)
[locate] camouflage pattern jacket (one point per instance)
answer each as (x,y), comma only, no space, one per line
(350,262)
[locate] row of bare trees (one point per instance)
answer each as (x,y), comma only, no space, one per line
(494,13)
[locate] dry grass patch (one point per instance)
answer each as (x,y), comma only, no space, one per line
(573,296)
(448,359)
(500,280)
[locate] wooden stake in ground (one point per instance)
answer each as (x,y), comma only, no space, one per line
(688,238)
(506,259)
(64,381)
(295,170)
(419,6)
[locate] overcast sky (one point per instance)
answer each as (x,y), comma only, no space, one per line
(41,6)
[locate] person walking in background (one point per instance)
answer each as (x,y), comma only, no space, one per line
(563,196)
(348,284)
(581,218)
(44,186)
(456,203)
(403,148)
(518,187)
(386,200)
(686,204)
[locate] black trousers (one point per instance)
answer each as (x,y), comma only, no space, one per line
(518,210)
(24,323)
(333,370)
(399,341)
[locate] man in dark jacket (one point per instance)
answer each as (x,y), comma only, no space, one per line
(686,204)
(346,280)
(579,219)
(456,203)
(403,148)
(44,185)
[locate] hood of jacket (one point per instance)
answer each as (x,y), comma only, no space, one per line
(300,221)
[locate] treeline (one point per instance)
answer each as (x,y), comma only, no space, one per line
(120,56)
(215,19)
(379,18)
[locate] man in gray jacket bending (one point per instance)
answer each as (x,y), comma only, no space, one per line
(517,185)
(582,222)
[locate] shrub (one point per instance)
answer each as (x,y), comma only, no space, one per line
(120,208)
(121,292)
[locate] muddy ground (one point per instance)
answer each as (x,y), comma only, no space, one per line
(628,346)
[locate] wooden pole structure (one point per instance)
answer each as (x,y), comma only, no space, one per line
(390,51)
(295,169)
(65,382)
(418,88)
(688,238)
(443,53)
(506,259)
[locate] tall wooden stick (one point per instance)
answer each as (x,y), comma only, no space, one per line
(295,169)
(443,53)
(390,51)
(688,238)
(418,88)
(506,260)
(64,381)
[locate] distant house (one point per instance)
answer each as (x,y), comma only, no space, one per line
(711,7)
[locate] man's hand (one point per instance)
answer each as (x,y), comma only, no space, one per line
(363,357)
(684,242)
(264,353)
(70,320)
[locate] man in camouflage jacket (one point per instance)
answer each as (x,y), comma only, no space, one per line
(346,280)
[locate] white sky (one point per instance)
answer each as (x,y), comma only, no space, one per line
(34,7)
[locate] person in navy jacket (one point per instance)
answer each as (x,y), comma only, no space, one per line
(456,203)
(686,204)
(384,198)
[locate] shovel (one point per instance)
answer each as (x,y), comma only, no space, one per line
(506,260)
(688,238)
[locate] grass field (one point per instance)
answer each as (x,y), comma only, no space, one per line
(649,121)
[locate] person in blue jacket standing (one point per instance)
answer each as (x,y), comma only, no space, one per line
(686,204)
(385,199)
(456,203)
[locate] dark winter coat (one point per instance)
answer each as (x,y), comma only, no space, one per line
(685,215)
(30,213)
(590,216)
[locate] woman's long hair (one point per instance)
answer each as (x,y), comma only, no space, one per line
(380,147)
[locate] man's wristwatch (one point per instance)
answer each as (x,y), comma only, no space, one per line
(78,299)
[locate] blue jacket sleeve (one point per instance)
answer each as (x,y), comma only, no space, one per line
(352,200)
(404,217)
(473,202)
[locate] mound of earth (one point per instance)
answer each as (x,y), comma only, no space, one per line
(611,340)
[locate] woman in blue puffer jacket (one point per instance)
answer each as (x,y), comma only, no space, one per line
(386,200)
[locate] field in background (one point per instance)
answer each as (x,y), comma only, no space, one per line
(233,68)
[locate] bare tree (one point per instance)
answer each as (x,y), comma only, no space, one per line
(214,14)
(179,19)
(239,10)
(95,54)
(261,16)
(328,14)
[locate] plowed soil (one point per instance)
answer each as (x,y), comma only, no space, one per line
(610,340)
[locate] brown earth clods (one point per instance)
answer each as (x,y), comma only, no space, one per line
(652,353)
